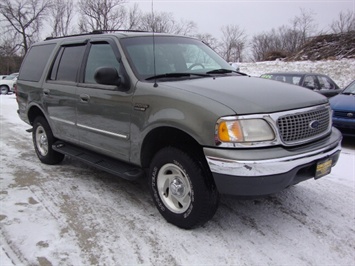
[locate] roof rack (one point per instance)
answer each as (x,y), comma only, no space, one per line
(91,33)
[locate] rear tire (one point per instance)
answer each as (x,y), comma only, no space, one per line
(43,140)
(182,189)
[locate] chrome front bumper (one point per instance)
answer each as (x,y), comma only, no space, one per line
(265,171)
(267,167)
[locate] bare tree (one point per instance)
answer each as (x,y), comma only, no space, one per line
(233,43)
(285,40)
(304,24)
(344,23)
(132,18)
(260,46)
(62,13)
(290,40)
(165,22)
(9,47)
(25,17)
(101,14)
(209,40)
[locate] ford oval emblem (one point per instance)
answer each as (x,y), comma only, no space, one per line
(314,124)
(350,115)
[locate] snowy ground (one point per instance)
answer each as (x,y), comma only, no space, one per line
(341,71)
(70,214)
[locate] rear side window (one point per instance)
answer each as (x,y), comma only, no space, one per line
(67,63)
(35,62)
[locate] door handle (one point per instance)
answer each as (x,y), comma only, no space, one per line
(84,98)
(46,92)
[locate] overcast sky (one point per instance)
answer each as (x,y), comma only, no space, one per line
(254,16)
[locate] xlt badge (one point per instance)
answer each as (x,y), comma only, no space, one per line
(141,107)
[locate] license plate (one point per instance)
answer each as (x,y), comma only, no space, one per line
(323,168)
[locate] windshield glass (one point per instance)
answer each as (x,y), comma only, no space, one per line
(10,77)
(172,55)
(350,89)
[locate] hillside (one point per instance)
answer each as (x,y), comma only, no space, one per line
(330,46)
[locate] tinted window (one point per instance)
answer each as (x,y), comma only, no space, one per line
(35,62)
(310,82)
(100,55)
(325,83)
(67,63)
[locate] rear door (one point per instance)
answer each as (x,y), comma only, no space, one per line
(103,111)
(59,90)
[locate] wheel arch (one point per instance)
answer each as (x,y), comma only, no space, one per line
(34,112)
(165,136)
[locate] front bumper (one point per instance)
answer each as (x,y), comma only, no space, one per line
(269,170)
(345,125)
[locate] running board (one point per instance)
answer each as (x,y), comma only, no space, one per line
(121,169)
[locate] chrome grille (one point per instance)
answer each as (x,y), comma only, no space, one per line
(303,126)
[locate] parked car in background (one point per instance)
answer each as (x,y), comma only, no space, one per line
(317,82)
(343,106)
(7,84)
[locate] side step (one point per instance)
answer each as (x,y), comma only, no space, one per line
(121,169)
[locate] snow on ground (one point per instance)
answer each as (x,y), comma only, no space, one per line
(341,71)
(71,214)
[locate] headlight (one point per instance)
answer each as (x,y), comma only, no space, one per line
(244,130)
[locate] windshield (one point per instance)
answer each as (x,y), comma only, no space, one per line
(350,89)
(172,55)
(10,77)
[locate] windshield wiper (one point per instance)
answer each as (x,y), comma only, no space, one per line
(224,71)
(348,93)
(177,75)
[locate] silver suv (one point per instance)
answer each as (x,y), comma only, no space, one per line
(170,109)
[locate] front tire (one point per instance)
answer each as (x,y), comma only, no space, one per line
(43,140)
(182,188)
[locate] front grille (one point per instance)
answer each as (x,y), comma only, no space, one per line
(304,126)
(344,114)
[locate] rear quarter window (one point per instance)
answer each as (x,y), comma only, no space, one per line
(67,63)
(35,61)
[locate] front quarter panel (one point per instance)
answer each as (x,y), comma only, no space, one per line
(162,106)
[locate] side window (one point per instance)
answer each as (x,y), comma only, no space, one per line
(309,82)
(296,80)
(35,62)
(100,55)
(325,83)
(67,63)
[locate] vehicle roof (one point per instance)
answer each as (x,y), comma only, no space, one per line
(294,73)
(117,34)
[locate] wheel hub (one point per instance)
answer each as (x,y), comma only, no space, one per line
(177,187)
(43,140)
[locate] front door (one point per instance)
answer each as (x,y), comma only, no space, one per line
(103,111)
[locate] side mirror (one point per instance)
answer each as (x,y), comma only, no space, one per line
(107,76)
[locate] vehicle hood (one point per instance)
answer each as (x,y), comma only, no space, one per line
(248,95)
(7,82)
(343,102)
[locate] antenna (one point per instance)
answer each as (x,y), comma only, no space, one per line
(154,65)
